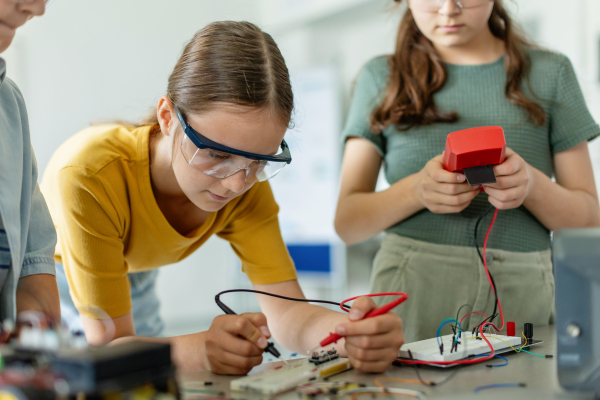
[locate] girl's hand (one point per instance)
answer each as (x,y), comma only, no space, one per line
(234,343)
(443,192)
(372,344)
(513,182)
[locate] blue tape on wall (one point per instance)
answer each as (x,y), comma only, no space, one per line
(311,257)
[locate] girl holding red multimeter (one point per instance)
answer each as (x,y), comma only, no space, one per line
(459,65)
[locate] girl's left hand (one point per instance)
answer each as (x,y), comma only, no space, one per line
(513,182)
(372,344)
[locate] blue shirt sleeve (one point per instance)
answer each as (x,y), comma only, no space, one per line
(41,237)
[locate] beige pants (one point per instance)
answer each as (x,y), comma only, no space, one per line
(439,279)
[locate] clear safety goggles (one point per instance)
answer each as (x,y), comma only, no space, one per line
(220,161)
(436,5)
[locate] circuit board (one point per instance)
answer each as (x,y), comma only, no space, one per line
(288,377)
(428,350)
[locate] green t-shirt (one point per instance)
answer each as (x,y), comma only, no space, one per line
(476,92)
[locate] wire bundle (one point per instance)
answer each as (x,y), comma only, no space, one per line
(485,323)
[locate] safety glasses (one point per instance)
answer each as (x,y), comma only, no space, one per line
(220,161)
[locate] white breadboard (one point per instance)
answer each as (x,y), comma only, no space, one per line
(289,376)
(428,350)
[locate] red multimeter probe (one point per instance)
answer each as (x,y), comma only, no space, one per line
(474,152)
(334,337)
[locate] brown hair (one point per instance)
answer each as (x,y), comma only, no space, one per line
(417,73)
(232,63)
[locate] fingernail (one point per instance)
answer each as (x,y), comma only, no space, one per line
(460,177)
(354,314)
(340,330)
(262,342)
(265,330)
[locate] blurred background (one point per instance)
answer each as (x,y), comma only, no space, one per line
(88,60)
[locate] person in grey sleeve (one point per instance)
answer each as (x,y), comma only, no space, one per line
(27,235)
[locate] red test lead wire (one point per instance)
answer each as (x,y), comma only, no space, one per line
(487,235)
(334,337)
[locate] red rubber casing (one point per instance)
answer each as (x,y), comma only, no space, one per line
(510,329)
(474,147)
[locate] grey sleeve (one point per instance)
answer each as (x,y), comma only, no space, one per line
(570,120)
(367,95)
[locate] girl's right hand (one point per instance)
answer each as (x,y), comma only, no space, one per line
(443,192)
(234,344)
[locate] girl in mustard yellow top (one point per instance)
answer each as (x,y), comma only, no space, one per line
(127,200)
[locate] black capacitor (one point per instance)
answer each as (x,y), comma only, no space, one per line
(528,331)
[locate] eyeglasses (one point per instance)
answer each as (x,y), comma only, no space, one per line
(220,161)
(47,2)
(436,5)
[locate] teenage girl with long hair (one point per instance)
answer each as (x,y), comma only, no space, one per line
(458,65)
(127,200)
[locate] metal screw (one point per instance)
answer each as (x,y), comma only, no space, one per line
(573,330)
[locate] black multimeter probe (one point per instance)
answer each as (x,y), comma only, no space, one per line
(270,347)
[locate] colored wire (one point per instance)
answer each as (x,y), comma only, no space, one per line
(498,386)
(458,314)
(481,256)
(431,383)
(398,380)
(498,365)
(487,271)
(386,389)
(374,391)
(343,303)
(474,312)
(488,319)
(519,350)
(382,390)
(446,322)
(481,326)
(528,352)
(221,304)
(459,362)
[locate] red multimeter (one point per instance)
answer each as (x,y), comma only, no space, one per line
(474,152)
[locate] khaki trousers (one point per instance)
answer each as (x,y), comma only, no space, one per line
(439,279)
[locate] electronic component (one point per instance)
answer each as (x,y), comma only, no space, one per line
(288,377)
(510,329)
(320,358)
(528,332)
(428,350)
(576,253)
(474,152)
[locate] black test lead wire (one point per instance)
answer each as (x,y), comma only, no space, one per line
(270,347)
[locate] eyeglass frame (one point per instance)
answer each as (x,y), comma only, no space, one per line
(202,142)
(458,3)
(46,2)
